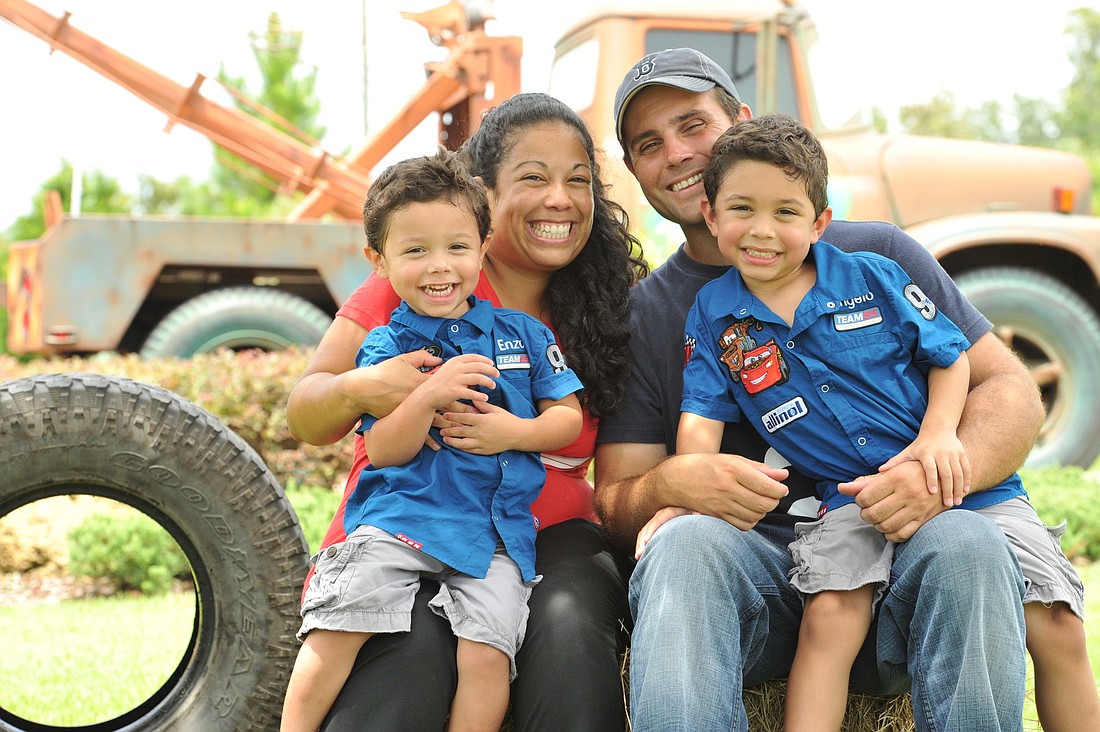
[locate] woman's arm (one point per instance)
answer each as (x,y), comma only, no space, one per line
(333,394)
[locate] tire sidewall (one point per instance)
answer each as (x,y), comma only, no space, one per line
(1043,310)
(83,433)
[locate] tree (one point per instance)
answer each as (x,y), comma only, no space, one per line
(241,189)
(1079,119)
(101,194)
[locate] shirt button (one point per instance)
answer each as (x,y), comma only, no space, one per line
(743,311)
(830,304)
(862,440)
(331,552)
(454,328)
(504,463)
(824,388)
(790,345)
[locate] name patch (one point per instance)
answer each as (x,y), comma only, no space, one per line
(507,361)
(861,319)
(784,414)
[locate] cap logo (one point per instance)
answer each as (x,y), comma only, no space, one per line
(645,68)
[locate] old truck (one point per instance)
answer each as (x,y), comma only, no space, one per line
(1010,224)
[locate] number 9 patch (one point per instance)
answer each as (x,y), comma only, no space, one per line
(556,358)
(920,301)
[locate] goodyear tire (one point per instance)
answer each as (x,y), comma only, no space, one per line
(138,444)
(1057,334)
(236,318)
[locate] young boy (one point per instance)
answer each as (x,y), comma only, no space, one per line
(847,368)
(460,515)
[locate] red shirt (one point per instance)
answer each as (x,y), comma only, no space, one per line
(567,494)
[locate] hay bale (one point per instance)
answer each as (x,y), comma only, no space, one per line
(764,707)
(865,713)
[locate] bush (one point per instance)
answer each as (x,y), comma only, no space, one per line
(246,390)
(1067,494)
(131,550)
(315,509)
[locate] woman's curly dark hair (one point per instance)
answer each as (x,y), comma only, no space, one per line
(587,299)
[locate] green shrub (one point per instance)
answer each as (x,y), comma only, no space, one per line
(1068,494)
(130,550)
(315,509)
(246,390)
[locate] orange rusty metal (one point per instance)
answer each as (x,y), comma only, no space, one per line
(478,70)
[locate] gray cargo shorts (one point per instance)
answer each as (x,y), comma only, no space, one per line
(367,584)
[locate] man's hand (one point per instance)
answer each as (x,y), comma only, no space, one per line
(735,489)
(659,519)
(896,502)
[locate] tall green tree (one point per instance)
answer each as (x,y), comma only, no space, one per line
(1079,119)
(288,92)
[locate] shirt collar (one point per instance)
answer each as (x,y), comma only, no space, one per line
(480,315)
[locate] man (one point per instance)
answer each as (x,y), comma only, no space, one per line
(713,610)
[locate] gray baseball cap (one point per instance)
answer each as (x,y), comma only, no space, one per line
(683,68)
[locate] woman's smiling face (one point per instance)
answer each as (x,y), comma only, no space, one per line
(543,204)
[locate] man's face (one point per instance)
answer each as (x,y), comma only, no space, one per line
(668,134)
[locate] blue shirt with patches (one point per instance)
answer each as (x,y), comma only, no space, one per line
(841,390)
(453,504)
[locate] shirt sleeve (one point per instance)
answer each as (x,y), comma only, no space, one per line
(551,377)
(706,378)
(938,341)
(379,345)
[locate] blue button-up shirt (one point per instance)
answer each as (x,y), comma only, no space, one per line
(841,390)
(453,504)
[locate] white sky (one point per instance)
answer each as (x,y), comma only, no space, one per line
(881,53)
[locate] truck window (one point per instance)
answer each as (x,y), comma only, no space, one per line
(736,53)
(573,77)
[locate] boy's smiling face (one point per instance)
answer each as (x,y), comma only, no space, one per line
(432,256)
(764,223)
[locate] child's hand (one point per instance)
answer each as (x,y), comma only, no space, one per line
(946,466)
(658,520)
(456,379)
(485,430)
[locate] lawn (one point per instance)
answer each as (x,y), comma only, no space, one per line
(80,662)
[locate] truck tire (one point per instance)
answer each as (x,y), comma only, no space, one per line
(1057,334)
(76,433)
(236,318)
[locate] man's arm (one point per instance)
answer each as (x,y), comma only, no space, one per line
(635,480)
(1000,421)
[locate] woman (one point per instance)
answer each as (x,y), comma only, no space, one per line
(561,252)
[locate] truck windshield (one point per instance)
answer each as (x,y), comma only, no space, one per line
(736,52)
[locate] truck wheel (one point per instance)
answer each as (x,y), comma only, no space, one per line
(1057,334)
(65,434)
(236,318)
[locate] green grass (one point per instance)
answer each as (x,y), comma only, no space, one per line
(79,662)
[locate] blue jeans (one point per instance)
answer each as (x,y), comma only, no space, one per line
(714,613)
